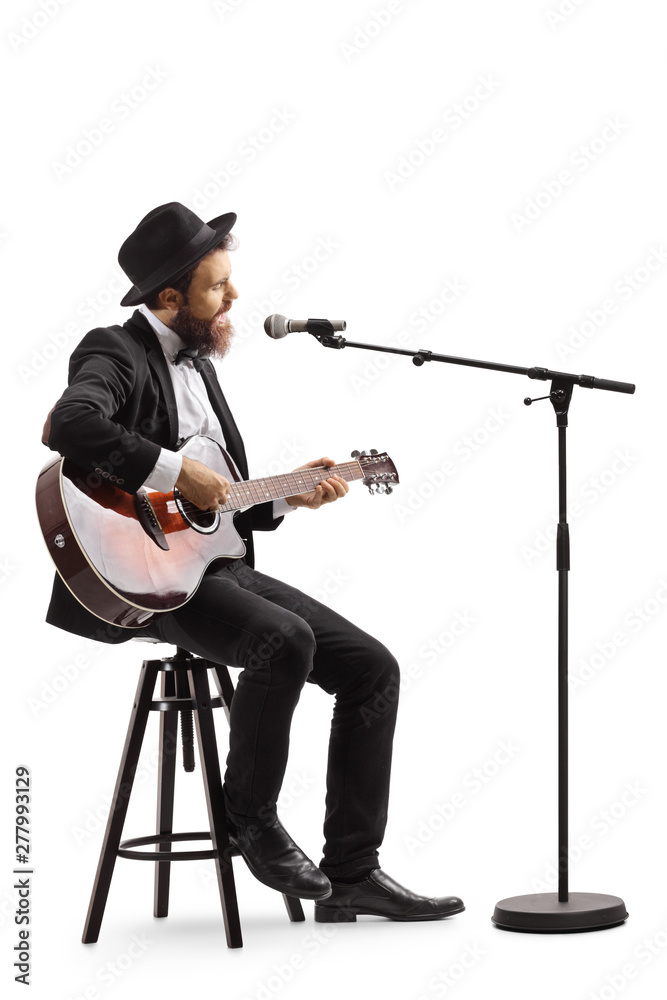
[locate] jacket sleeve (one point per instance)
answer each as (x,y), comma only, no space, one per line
(262,518)
(85,423)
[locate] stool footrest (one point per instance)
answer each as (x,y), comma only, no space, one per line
(180,704)
(124,849)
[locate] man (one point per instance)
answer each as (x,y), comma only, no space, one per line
(134,392)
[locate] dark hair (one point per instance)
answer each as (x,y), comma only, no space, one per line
(182,284)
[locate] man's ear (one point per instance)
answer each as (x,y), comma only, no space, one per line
(171,299)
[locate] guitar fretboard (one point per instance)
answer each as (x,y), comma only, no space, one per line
(253,491)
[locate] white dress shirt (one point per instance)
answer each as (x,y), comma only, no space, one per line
(195,413)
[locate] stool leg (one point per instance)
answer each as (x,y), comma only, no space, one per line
(121,798)
(210,765)
(165,793)
(294,908)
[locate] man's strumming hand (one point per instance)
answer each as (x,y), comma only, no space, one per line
(202,485)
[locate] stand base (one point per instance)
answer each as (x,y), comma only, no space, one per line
(542,913)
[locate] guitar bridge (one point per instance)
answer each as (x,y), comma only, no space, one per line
(148,520)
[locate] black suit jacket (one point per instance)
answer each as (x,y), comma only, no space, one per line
(118,410)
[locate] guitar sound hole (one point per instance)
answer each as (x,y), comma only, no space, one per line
(204,521)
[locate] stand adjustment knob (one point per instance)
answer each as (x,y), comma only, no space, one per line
(556,394)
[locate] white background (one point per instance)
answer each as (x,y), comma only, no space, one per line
(520,93)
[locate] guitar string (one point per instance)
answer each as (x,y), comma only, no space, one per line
(253,493)
(191,508)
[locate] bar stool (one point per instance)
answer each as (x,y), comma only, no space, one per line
(184,689)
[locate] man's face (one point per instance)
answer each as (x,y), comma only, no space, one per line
(202,322)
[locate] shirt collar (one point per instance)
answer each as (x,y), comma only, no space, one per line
(170,341)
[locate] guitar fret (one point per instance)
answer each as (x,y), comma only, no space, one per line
(253,491)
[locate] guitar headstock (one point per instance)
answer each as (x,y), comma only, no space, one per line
(380,475)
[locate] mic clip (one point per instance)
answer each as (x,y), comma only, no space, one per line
(322,330)
(337,342)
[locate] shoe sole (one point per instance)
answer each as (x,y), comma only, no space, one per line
(348,915)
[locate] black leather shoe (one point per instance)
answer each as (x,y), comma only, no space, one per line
(380,896)
(274,858)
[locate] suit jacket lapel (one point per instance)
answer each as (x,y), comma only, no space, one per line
(157,361)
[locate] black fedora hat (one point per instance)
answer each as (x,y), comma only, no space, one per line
(165,245)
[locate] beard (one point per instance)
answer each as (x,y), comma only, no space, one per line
(210,337)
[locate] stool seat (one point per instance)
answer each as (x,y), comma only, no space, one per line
(184,693)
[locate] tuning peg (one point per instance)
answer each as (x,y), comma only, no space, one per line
(374,451)
(388,490)
(355,454)
(372,488)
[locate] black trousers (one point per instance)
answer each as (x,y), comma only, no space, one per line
(282,638)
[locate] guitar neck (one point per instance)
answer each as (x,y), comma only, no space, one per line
(254,491)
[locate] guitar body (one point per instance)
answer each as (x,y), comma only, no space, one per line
(109,552)
(129,558)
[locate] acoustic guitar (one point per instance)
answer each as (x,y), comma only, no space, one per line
(130,557)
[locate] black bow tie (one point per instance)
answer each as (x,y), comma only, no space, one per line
(190,354)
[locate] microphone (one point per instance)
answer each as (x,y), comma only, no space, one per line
(278,326)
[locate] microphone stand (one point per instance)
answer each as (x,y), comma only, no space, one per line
(546,911)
